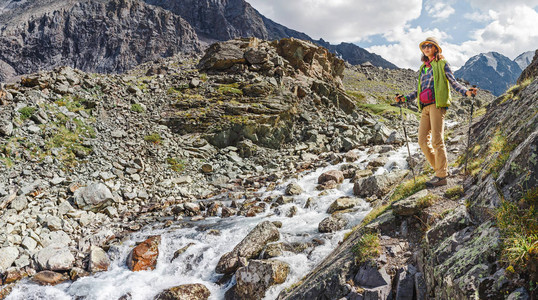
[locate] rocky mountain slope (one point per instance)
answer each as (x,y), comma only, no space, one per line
(490,71)
(524,59)
(96,36)
(113,36)
(475,239)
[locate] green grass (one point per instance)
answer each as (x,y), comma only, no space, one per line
(26,112)
(381,109)
(367,248)
(154,138)
(137,108)
(230,89)
(175,164)
(454,193)
(68,141)
(513,91)
(427,201)
(518,223)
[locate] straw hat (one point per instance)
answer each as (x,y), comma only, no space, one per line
(431,40)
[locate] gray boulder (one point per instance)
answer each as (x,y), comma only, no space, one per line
(377,185)
(7,256)
(342,203)
(98,260)
(251,246)
(54,258)
(254,279)
(94,197)
(408,206)
(186,291)
(293,189)
(332,224)
(376,282)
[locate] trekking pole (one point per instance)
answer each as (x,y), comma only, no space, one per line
(469,133)
(406,141)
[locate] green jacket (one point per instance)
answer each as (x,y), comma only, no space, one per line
(440,84)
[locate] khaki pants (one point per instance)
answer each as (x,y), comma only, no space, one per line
(431,140)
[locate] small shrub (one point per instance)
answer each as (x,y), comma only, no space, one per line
(154,138)
(454,192)
(518,223)
(137,108)
(176,165)
(427,201)
(367,248)
(203,77)
(26,112)
(409,187)
(230,89)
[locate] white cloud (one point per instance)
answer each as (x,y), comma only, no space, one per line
(480,17)
(404,51)
(500,5)
(510,32)
(439,10)
(340,20)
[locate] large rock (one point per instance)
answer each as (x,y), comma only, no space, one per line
(98,260)
(54,258)
(377,185)
(144,256)
(222,56)
(293,189)
(251,246)
(94,197)
(334,175)
(7,256)
(406,283)
(342,203)
(185,292)
(376,282)
(332,224)
(49,278)
(254,279)
(409,206)
(454,221)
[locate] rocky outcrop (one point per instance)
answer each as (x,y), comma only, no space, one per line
(95,36)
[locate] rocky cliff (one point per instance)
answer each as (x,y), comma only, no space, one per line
(95,36)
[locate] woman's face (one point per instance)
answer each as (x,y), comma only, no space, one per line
(429,49)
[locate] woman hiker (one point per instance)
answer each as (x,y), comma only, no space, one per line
(433,100)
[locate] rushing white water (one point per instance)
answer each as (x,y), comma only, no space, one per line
(197,264)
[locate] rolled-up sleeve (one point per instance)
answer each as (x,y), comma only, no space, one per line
(453,82)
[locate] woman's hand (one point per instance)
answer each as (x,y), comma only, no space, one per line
(471,92)
(399,98)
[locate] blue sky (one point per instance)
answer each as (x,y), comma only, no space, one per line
(393,29)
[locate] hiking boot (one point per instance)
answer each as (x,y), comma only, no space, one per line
(436,181)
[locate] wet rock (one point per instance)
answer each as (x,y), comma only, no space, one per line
(377,185)
(351,156)
(93,197)
(76,273)
(334,175)
(284,199)
(98,260)
(144,256)
(7,256)
(181,251)
(293,189)
(13,275)
(185,292)
(254,279)
(249,247)
(272,250)
(409,206)
(332,224)
(191,209)
(342,203)
(48,278)
(228,212)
